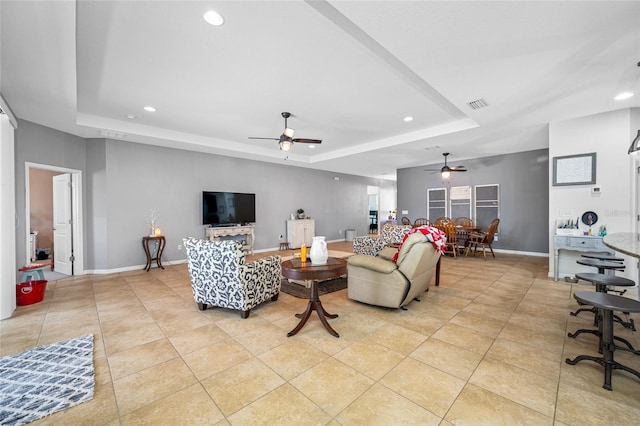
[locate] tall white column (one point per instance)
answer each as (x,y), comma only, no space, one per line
(7,219)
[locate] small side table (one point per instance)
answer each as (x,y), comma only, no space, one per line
(158,255)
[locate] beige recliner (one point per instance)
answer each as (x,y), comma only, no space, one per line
(379,281)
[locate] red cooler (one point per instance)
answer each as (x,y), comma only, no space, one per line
(30,292)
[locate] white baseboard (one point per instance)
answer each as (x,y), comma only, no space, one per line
(129,268)
(179,261)
(522,253)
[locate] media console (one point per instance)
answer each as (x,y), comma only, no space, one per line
(219,232)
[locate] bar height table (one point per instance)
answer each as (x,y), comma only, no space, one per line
(627,243)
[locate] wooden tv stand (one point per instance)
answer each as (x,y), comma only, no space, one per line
(218,233)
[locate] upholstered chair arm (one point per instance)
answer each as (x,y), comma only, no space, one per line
(393,234)
(368,245)
(262,276)
(387,253)
(375,264)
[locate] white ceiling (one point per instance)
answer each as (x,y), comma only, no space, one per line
(348,71)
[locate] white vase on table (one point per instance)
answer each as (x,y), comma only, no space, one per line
(319,253)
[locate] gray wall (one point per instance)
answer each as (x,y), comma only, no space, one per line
(96,205)
(39,144)
(524,194)
(124,181)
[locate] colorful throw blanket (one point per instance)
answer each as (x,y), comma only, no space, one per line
(436,236)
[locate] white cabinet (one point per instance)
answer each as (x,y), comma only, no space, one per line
(576,243)
(300,231)
(219,233)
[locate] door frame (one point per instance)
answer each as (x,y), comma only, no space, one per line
(76,211)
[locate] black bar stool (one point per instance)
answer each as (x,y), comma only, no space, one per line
(602,281)
(607,303)
(602,265)
(605,257)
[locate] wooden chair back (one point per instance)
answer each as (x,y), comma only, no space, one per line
(405,221)
(451,232)
(442,220)
(464,221)
(491,230)
(421,221)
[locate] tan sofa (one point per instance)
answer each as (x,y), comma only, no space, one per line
(379,281)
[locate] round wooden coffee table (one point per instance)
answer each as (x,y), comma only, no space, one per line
(295,269)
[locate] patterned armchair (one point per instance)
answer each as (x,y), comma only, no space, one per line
(389,235)
(220,277)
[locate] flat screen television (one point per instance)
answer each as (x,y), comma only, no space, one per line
(228,208)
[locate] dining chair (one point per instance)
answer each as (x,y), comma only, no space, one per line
(451,232)
(485,239)
(442,220)
(421,221)
(406,221)
(465,222)
(464,226)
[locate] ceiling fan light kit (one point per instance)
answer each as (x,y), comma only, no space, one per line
(285,145)
(445,171)
(286,141)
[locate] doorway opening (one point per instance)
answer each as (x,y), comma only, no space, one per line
(373,194)
(61,189)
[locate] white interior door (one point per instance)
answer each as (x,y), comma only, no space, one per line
(62,221)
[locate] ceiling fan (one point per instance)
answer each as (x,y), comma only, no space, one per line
(446,170)
(286,139)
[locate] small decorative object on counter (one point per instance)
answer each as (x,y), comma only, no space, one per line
(300,213)
(603,230)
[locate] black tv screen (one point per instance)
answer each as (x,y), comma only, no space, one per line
(228,208)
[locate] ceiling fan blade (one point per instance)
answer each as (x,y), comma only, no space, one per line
(458,169)
(302,140)
(271,139)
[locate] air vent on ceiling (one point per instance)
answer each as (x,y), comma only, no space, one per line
(478,103)
(431,147)
(111,134)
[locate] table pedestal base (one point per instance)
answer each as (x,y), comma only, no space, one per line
(314,305)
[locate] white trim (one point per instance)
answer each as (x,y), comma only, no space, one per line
(180,261)
(8,219)
(130,268)
(522,253)
(7,110)
(77,203)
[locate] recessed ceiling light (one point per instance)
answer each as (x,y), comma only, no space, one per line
(131,116)
(150,109)
(622,96)
(213,18)
(408,118)
(312,147)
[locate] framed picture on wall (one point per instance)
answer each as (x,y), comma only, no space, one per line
(577,169)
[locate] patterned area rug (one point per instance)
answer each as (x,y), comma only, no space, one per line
(324,287)
(46,379)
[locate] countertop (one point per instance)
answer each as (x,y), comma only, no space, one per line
(624,242)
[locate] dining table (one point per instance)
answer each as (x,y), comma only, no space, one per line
(463,234)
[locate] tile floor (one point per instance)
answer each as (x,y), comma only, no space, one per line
(486,347)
